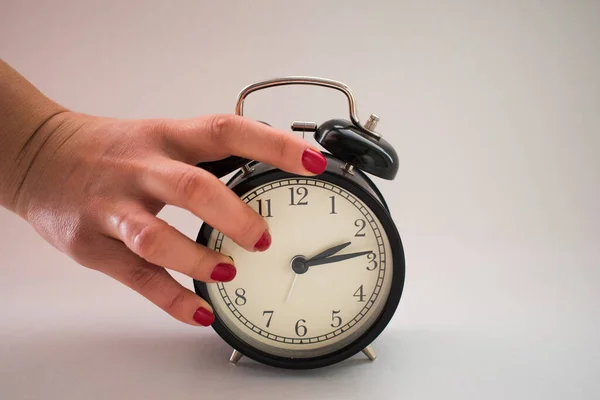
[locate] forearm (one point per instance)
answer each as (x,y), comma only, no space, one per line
(24,113)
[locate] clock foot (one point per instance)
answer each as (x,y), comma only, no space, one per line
(235,357)
(369,352)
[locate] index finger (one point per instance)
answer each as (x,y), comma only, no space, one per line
(227,135)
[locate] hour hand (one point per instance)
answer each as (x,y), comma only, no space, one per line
(312,262)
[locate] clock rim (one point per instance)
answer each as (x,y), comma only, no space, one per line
(379,209)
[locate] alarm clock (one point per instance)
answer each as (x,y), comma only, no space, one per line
(334,274)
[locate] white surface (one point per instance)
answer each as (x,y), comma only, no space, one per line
(493,107)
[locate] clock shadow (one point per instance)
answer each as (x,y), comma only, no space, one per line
(160,364)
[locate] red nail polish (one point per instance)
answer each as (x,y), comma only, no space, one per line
(204,317)
(223,273)
(314,161)
(264,242)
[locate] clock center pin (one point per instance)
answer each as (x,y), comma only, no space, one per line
(298,264)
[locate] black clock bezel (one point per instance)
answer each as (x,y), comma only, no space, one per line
(241,185)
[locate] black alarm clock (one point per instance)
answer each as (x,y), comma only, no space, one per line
(333,278)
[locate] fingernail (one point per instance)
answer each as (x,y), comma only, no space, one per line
(264,242)
(204,317)
(314,161)
(223,273)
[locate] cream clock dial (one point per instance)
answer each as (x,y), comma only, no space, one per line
(322,282)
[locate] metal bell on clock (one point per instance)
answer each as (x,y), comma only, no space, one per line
(357,147)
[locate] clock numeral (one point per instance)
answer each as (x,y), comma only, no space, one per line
(332,205)
(360,224)
(301,329)
(240,298)
(268,207)
(301,191)
(270,316)
(360,294)
(337,320)
(372,263)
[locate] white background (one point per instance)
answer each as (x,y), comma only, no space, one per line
(494,109)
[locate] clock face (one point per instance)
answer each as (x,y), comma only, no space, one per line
(323,282)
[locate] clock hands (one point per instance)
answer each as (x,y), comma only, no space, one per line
(330,251)
(300,264)
(342,257)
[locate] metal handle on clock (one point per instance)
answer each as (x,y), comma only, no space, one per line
(306,80)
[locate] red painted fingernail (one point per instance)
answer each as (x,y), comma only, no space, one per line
(264,242)
(223,273)
(204,317)
(314,161)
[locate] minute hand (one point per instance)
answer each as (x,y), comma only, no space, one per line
(341,257)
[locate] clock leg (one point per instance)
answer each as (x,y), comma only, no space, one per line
(235,357)
(369,352)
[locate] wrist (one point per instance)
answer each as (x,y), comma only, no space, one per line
(21,150)
(41,161)
(26,123)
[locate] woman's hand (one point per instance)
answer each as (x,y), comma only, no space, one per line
(95,186)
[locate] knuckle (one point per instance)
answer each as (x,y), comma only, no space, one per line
(221,124)
(143,278)
(77,242)
(223,127)
(188,184)
(76,245)
(198,189)
(122,223)
(145,241)
(175,304)
(144,131)
(199,268)
(161,127)
(280,145)
(142,239)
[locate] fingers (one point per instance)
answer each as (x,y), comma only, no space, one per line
(204,195)
(156,285)
(157,242)
(235,135)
